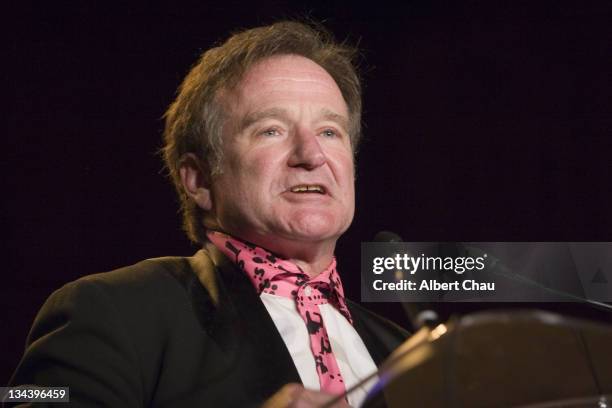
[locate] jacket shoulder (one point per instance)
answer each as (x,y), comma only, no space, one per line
(105,334)
(149,272)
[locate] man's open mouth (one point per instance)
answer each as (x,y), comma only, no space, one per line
(308,188)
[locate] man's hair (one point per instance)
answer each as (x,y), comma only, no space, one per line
(194,121)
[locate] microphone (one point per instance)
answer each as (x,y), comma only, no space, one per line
(387,236)
(419,313)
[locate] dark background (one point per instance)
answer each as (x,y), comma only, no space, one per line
(484,121)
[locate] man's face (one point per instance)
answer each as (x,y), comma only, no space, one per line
(287,169)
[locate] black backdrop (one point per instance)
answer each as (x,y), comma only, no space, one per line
(483,121)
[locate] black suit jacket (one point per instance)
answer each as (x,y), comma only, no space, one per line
(169,332)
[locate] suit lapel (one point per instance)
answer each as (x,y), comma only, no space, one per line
(379,335)
(241,326)
(377,351)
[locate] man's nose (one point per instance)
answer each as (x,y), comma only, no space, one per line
(307,151)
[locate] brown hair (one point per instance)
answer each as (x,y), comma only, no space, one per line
(195,119)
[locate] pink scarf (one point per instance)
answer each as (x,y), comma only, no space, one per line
(281,277)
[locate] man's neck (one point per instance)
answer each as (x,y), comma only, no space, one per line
(313,258)
(312,269)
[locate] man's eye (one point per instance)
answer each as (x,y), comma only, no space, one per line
(329,133)
(270,132)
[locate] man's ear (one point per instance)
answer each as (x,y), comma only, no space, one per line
(196,181)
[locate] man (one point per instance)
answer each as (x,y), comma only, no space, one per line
(260,144)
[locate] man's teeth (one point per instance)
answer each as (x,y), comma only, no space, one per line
(308,189)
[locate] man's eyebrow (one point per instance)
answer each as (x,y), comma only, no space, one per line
(283,115)
(254,117)
(335,117)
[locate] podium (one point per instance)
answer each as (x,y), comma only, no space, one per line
(529,359)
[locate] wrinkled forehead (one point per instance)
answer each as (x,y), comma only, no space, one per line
(289,68)
(290,76)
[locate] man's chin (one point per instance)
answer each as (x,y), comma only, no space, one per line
(315,228)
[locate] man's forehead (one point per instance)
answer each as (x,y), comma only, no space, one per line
(290,73)
(279,86)
(288,67)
